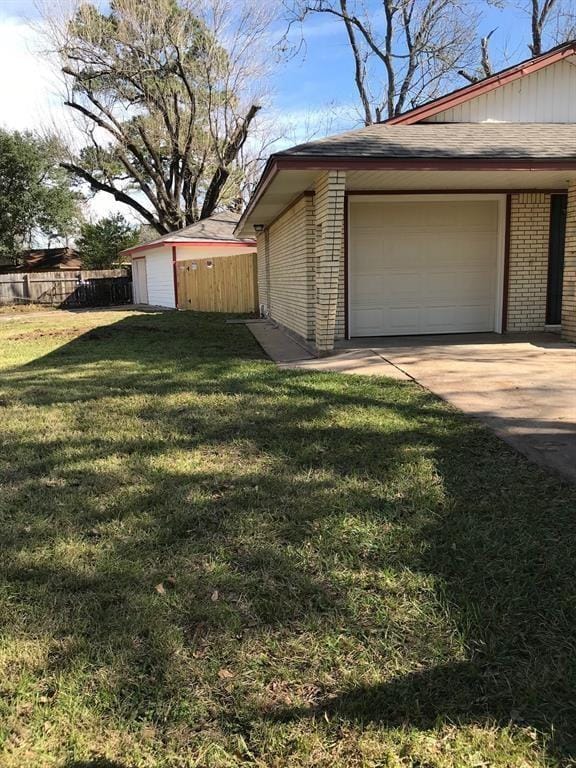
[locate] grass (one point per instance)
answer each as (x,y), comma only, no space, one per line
(23,309)
(210,562)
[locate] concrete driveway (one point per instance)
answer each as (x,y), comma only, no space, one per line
(523,387)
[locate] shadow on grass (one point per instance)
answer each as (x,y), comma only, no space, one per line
(96,763)
(192,509)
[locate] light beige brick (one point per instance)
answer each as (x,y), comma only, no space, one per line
(286,268)
(528,268)
(329,256)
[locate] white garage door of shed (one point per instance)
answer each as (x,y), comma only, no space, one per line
(160,273)
(422,266)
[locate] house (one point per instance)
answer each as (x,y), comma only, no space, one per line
(154,263)
(46,260)
(450,218)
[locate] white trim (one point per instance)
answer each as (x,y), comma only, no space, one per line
(501,237)
(500,264)
(347,334)
(418,198)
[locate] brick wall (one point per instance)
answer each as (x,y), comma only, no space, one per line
(340,332)
(528,275)
(286,268)
(329,247)
(262,261)
(569,283)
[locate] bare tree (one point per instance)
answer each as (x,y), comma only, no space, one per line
(405,53)
(540,13)
(165,94)
(486,68)
(551,19)
(552,22)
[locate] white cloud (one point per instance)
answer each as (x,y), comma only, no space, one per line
(28,86)
(30,94)
(300,125)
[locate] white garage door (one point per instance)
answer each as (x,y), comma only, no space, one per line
(422,267)
(160,277)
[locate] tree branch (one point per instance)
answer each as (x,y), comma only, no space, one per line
(360,70)
(222,173)
(118,194)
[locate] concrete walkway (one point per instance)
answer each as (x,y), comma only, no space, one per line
(289,353)
(522,387)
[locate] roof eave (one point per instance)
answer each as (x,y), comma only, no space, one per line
(428,163)
(268,175)
(343,162)
(169,243)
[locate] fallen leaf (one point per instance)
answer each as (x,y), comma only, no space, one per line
(160,589)
(225,674)
(214,596)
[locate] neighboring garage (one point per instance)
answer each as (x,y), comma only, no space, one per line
(425,266)
(154,263)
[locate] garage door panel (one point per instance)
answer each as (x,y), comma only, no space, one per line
(476,287)
(368,321)
(371,246)
(436,214)
(444,319)
(475,317)
(403,288)
(371,287)
(451,287)
(438,319)
(422,267)
(403,320)
(440,286)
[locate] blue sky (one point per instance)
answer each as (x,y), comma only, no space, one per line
(313,91)
(320,75)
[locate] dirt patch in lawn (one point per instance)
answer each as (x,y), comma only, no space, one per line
(32,335)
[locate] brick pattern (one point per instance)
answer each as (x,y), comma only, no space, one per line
(569,281)
(286,269)
(262,261)
(340,332)
(329,249)
(528,276)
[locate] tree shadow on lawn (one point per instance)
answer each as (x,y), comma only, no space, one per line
(96,763)
(270,503)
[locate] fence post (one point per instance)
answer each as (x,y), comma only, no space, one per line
(26,288)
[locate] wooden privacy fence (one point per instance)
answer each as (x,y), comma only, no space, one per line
(219,284)
(85,288)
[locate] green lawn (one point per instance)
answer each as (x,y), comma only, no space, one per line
(209,562)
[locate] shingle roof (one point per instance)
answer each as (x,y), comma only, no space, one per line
(219,226)
(447,140)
